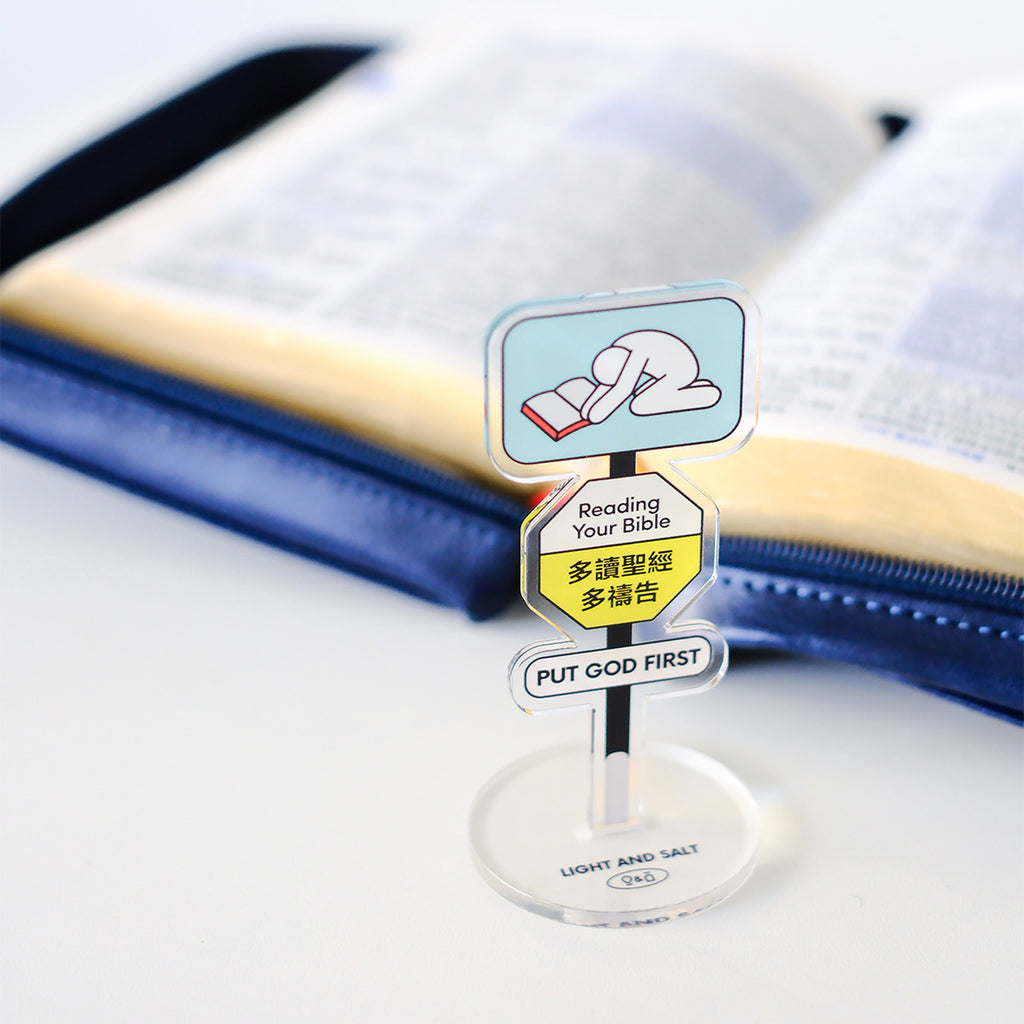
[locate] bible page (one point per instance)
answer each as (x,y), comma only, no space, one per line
(898,327)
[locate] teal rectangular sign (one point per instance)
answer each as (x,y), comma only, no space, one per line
(634,377)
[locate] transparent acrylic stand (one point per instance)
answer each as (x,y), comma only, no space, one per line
(618,835)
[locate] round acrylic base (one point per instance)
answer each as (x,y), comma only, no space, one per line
(693,843)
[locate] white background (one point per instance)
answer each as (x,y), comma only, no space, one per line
(236,785)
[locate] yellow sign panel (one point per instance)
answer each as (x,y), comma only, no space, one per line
(619,583)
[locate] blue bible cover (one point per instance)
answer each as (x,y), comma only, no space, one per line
(326,495)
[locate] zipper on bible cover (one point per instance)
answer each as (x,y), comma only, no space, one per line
(275,477)
(957,633)
(988,591)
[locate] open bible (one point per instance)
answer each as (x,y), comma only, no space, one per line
(338,269)
(560,412)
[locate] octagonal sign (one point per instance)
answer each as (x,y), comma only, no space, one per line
(620,550)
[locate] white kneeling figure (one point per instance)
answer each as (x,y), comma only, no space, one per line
(672,370)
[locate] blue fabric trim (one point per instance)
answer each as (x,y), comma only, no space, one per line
(974,655)
(132,379)
(309,502)
(163,143)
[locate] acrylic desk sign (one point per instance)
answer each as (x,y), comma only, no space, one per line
(612,834)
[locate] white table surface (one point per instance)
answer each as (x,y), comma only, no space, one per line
(236,784)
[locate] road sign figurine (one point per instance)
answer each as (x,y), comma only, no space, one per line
(577,389)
